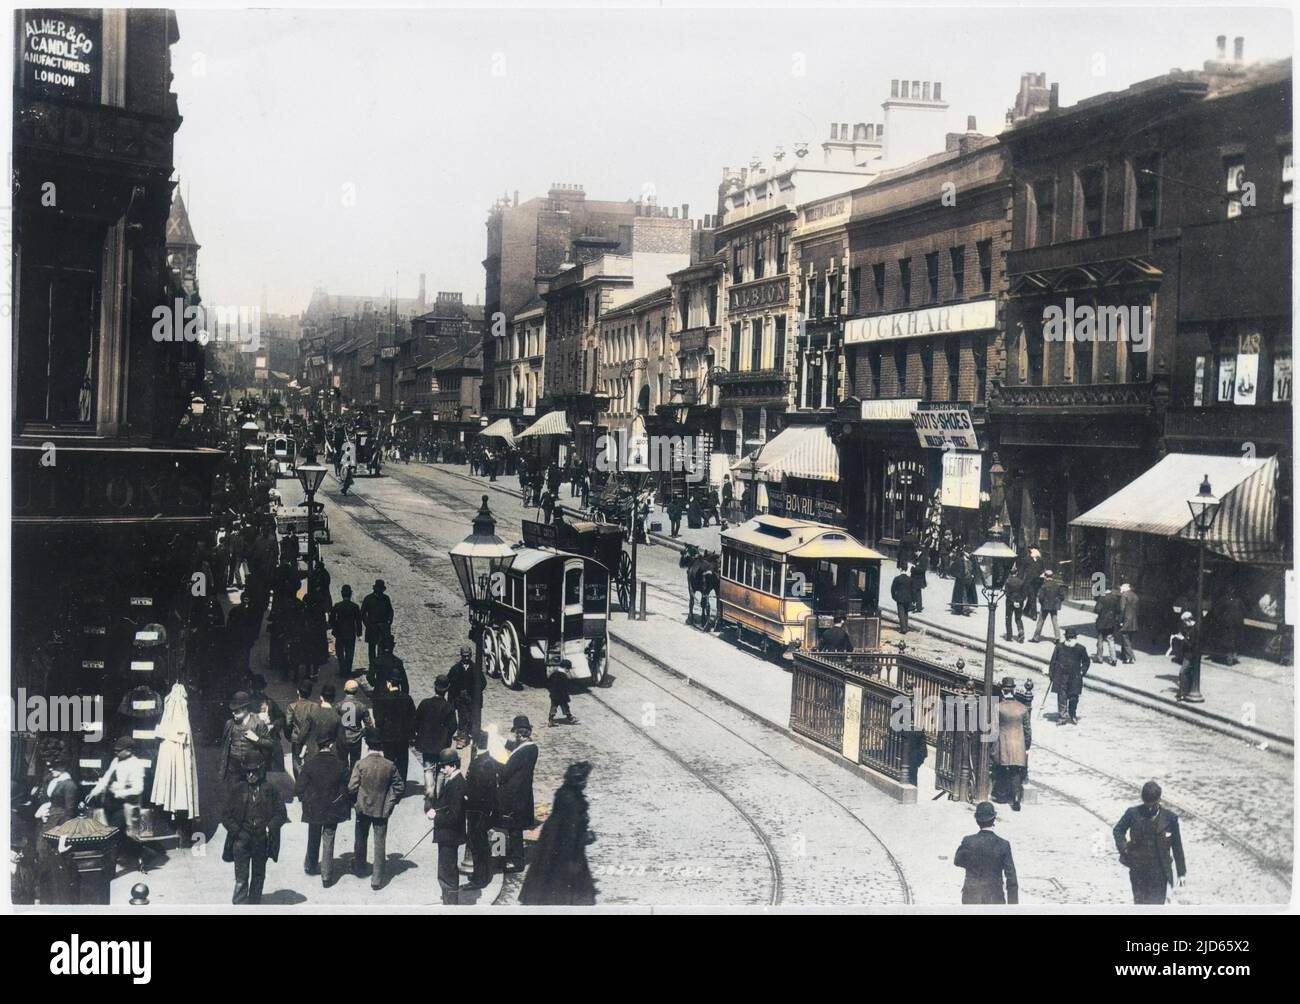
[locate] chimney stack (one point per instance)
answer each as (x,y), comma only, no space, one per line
(1222,43)
(1238,49)
(970,123)
(1054,101)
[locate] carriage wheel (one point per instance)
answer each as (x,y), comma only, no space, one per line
(510,656)
(490,646)
(624,580)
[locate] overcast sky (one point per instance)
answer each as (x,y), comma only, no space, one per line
(423,117)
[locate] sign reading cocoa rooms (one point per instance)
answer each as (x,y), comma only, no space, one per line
(62,54)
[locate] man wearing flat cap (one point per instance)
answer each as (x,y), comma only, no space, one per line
(1146,837)
(515,791)
(987,860)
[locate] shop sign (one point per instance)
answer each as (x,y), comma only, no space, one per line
(752,296)
(898,409)
(977,316)
(796,506)
(960,487)
(62,56)
(944,427)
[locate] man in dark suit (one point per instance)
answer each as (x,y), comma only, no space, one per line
(1145,837)
(253,816)
(480,808)
(435,722)
(1067,669)
(901,592)
(299,720)
(836,639)
(515,791)
(322,787)
(377,615)
(448,814)
(394,714)
(1016,587)
(986,858)
(345,624)
(1107,609)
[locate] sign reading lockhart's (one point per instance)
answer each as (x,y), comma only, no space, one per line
(756,295)
(977,316)
(61,54)
(944,427)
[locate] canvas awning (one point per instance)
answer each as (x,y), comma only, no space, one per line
(800,451)
(1245,528)
(553,423)
(501,429)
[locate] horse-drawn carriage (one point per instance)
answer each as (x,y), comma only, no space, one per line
(294,518)
(601,541)
(550,608)
(282,455)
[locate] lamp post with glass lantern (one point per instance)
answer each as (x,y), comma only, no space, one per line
(637,468)
(1204,506)
(477,560)
(310,477)
(995,558)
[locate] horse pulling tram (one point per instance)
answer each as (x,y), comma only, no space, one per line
(777,573)
(551,607)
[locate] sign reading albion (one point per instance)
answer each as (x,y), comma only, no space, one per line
(773,292)
(975,316)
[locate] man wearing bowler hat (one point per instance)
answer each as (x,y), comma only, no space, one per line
(1145,837)
(377,615)
(448,815)
(987,859)
(244,735)
(1011,746)
(515,791)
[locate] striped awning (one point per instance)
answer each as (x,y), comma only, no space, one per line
(553,423)
(800,451)
(1245,528)
(501,429)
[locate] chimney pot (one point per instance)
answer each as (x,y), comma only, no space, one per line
(686,210)
(835,131)
(938,90)
(1238,48)
(970,123)
(925,91)
(893,88)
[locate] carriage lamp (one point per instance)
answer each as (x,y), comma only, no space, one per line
(1204,506)
(995,558)
(197,405)
(479,556)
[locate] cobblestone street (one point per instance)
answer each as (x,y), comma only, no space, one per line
(700,794)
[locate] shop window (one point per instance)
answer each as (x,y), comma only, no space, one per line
(59,338)
(984,252)
(878,280)
(957,257)
(905,279)
(932,275)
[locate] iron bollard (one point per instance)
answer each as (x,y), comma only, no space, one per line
(640,608)
(139,894)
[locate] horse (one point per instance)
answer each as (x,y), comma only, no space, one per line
(701,577)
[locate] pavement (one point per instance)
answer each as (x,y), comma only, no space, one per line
(700,794)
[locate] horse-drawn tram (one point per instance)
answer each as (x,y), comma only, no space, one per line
(775,573)
(550,608)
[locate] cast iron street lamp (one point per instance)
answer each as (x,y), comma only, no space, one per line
(310,476)
(639,471)
(1204,506)
(995,559)
(477,560)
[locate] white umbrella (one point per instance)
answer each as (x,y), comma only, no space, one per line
(175,775)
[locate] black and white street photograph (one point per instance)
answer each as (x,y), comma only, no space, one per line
(652,460)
